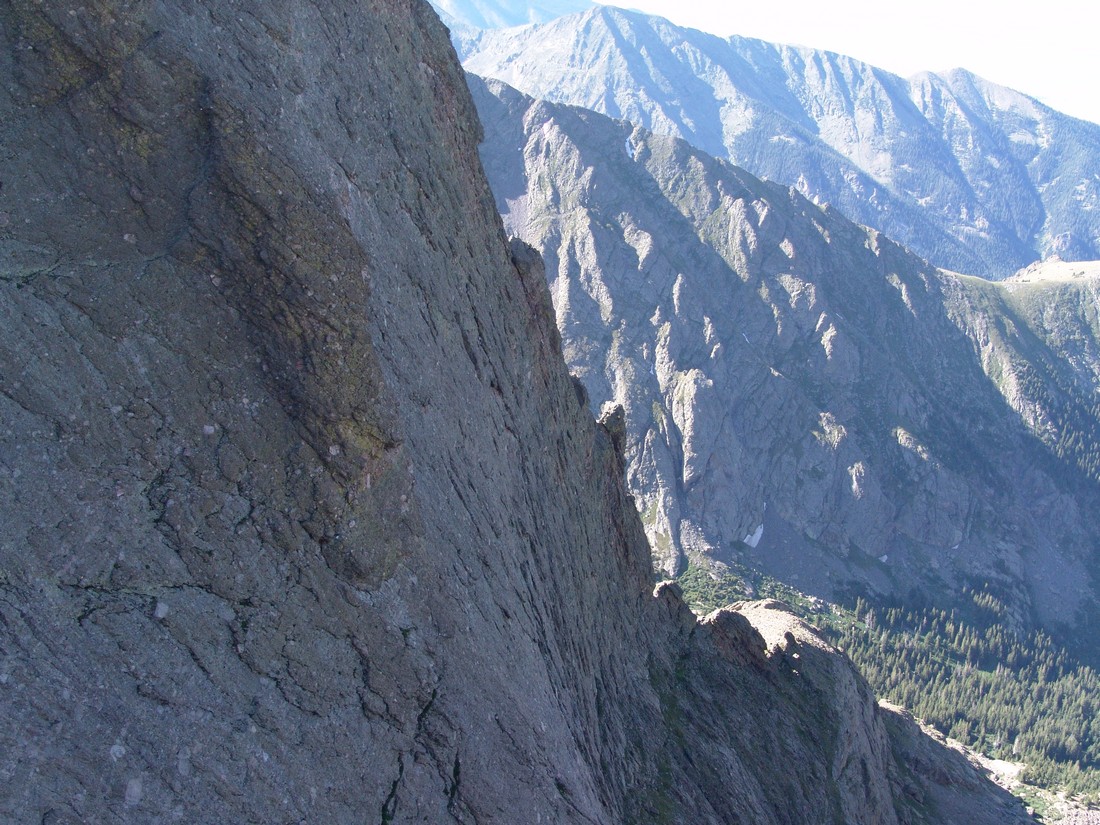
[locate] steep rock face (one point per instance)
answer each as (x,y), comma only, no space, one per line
(270,379)
(973,176)
(1038,336)
(856,761)
(797,664)
(304,519)
(801,394)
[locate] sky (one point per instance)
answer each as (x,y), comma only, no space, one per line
(1049,50)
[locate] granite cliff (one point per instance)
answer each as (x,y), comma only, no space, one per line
(304,519)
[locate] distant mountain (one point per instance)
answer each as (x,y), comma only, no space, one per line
(975,177)
(494,14)
(803,395)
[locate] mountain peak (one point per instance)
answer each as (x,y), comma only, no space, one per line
(973,176)
(497,14)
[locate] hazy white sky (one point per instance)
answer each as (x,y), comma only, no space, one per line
(1048,49)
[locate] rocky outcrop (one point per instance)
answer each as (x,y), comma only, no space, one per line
(304,519)
(803,396)
(973,176)
(854,762)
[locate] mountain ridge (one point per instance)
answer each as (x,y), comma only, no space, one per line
(972,176)
(777,414)
(467,17)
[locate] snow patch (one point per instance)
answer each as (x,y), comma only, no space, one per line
(857,473)
(753,539)
(827,339)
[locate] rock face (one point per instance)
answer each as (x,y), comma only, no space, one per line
(973,176)
(802,394)
(303,517)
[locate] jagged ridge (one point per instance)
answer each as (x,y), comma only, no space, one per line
(975,177)
(802,394)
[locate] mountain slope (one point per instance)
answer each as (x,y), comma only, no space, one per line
(970,175)
(793,382)
(1039,339)
(303,517)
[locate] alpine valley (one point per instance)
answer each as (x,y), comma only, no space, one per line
(813,411)
(798,387)
(807,403)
